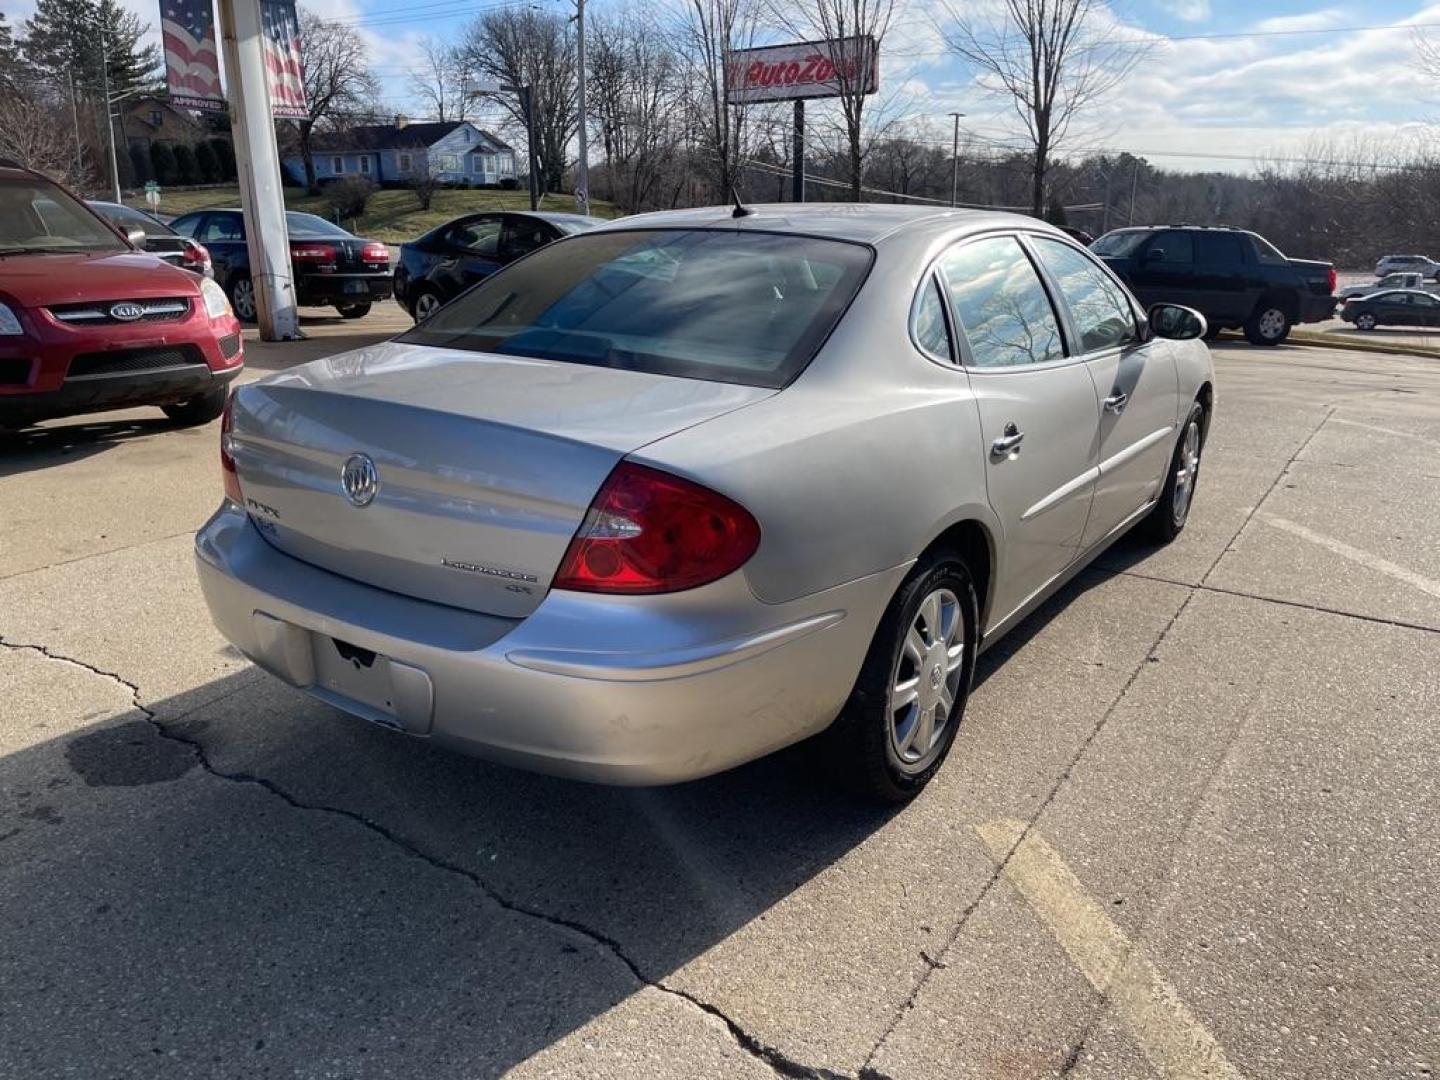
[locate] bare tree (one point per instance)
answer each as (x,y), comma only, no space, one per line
(1050,57)
(439,80)
(38,133)
(338,82)
(525,47)
(710,31)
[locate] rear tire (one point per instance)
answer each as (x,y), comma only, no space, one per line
(896,729)
(1365,321)
(1167,520)
(200,409)
(425,304)
(1269,323)
(354,311)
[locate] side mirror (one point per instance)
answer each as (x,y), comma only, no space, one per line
(1154,254)
(136,237)
(1175,322)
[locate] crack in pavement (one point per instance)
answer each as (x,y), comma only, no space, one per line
(777,1060)
(97,554)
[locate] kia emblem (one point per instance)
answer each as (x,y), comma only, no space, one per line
(126,312)
(360,480)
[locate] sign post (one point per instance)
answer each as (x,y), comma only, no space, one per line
(152,194)
(797,72)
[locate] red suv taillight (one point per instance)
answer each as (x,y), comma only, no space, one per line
(228,473)
(1333,278)
(650,532)
(313,253)
(375,253)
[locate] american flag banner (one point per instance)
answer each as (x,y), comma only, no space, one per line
(282,58)
(192,66)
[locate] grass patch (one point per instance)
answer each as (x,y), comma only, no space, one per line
(391,214)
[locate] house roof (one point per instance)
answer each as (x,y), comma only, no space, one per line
(390,137)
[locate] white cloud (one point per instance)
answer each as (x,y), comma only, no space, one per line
(1189,10)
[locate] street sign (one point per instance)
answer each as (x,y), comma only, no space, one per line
(806,69)
(152,194)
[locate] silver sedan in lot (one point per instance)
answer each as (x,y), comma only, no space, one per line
(672,494)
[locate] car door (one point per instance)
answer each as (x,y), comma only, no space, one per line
(521,235)
(1220,275)
(1425,309)
(1392,309)
(1165,270)
(1135,385)
(471,253)
(1036,409)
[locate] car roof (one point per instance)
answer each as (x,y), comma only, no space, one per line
(865,223)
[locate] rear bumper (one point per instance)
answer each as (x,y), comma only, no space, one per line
(323,290)
(1317,308)
(623,690)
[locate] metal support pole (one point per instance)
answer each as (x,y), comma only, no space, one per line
(582,167)
(527,102)
(109,118)
(797,180)
(257,162)
(955,158)
(1134,181)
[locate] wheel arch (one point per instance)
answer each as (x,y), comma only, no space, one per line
(1287,299)
(974,541)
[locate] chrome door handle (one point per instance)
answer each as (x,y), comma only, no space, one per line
(1116,402)
(1009,443)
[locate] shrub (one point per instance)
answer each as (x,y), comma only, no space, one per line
(224,157)
(509,183)
(347,196)
(207,163)
(162,162)
(186,171)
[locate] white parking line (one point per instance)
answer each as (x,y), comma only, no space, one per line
(1385,430)
(1364,558)
(1176,1043)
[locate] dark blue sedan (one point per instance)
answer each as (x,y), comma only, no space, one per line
(447,260)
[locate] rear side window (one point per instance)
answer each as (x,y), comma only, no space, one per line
(723,305)
(1171,247)
(997,298)
(1099,309)
(1219,249)
(1266,252)
(221,228)
(930,329)
(478,237)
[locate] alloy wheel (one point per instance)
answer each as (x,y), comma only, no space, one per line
(926,681)
(426,304)
(242,297)
(1186,472)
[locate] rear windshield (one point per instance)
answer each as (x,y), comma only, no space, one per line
(738,307)
(40,217)
(1119,244)
(123,217)
(298,224)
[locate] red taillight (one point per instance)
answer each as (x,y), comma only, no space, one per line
(650,532)
(195,253)
(375,253)
(316,253)
(1333,279)
(228,473)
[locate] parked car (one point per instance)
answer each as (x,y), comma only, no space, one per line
(90,322)
(1407,280)
(155,236)
(1236,279)
(1390,264)
(689,487)
(332,268)
(1396,307)
(447,260)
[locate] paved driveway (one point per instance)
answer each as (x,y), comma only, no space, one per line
(1189,828)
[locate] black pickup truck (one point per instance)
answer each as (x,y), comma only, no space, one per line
(1236,279)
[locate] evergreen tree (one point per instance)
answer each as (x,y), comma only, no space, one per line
(225,155)
(162,162)
(70,36)
(207,163)
(186,170)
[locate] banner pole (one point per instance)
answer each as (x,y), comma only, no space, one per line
(797,182)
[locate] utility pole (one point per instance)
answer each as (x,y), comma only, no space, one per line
(955,158)
(527,106)
(109,117)
(582,167)
(1134,181)
(797,180)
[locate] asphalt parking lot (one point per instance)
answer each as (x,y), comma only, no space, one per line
(1189,828)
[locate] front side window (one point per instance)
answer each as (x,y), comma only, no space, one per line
(998,300)
(37,216)
(1171,247)
(748,307)
(1102,315)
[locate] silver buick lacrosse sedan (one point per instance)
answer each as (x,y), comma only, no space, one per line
(685,489)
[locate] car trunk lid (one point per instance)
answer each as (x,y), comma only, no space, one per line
(485,464)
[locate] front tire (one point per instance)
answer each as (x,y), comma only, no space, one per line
(200,409)
(900,721)
(1269,323)
(1365,321)
(1167,520)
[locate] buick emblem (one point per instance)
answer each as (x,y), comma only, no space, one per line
(126,312)
(360,480)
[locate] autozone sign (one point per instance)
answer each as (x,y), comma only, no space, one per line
(807,69)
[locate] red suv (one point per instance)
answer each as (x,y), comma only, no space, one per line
(90,322)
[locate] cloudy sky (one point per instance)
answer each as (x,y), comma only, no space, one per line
(1225,83)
